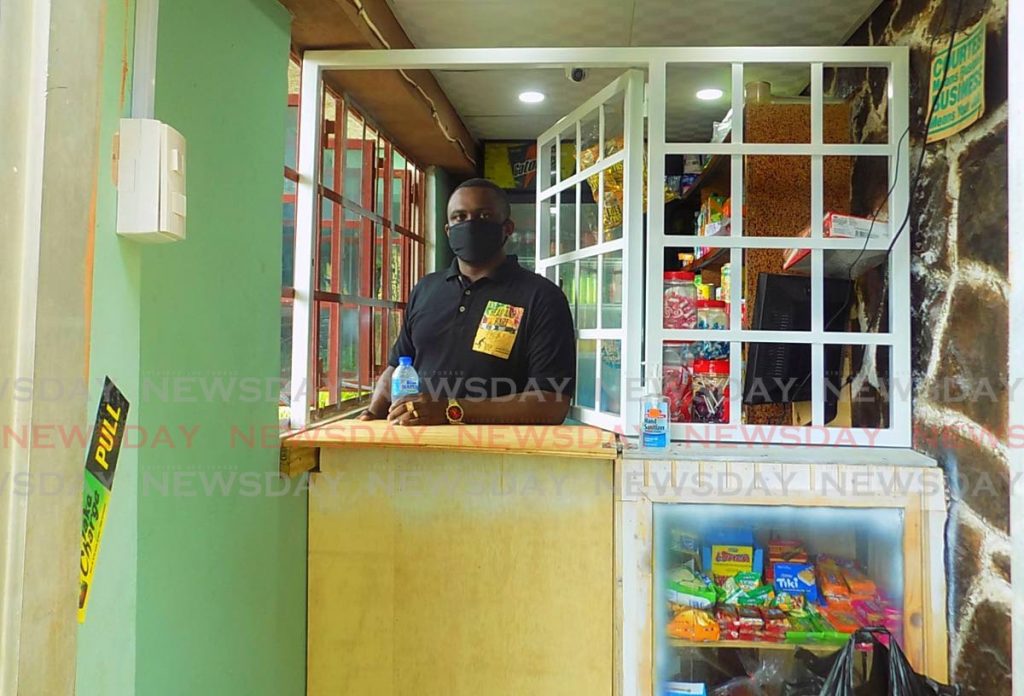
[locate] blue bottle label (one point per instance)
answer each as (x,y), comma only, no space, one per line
(654,423)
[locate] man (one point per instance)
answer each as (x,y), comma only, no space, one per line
(491,341)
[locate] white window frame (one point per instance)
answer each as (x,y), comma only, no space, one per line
(630,88)
(655,61)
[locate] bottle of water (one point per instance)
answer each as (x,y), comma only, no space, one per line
(404,380)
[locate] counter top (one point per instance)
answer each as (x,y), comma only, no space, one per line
(797,454)
(299,451)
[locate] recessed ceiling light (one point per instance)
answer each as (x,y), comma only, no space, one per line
(710,94)
(531,97)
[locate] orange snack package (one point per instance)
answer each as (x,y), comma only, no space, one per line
(861,586)
(842,616)
(831,581)
(694,624)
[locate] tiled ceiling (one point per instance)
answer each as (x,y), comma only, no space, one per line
(487,101)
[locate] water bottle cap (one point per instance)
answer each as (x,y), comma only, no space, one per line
(405,361)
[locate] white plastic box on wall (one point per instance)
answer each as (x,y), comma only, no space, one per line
(150,181)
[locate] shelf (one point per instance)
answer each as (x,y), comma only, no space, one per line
(753,645)
(713,259)
(718,166)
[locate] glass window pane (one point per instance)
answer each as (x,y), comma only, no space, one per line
(611,206)
(777,106)
(396,264)
(286,350)
(586,372)
(326,364)
(611,290)
(567,221)
(349,354)
(586,313)
(354,247)
(548,210)
(398,189)
(611,369)
(291,136)
(380,174)
(589,228)
(379,338)
(567,152)
(590,135)
(354,158)
(288,241)
(614,123)
(567,282)
(547,165)
(378,261)
(327,261)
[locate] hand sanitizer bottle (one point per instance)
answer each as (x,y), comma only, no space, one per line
(654,419)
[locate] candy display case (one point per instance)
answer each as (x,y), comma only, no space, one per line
(732,560)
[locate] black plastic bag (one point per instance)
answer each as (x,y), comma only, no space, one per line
(890,675)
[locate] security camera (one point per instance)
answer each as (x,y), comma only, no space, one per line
(574,74)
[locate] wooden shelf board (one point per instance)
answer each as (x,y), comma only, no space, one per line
(715,258)
(753,644)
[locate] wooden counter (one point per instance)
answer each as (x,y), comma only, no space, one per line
(459,560)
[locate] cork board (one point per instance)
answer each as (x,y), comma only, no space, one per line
(777,197)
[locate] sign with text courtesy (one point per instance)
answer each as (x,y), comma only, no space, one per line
(100,466)
(962,100)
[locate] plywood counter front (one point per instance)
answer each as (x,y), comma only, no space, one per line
(459,560)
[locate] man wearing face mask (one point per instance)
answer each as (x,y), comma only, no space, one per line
(492,342)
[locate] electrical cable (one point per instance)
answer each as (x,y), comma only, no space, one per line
(920,162)
(875,320)
(361,11)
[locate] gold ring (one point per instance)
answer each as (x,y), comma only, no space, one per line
(409,407)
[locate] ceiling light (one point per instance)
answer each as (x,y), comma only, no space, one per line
(531,97)
(710,94)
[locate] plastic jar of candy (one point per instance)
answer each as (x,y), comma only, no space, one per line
(710,391)
(676,377)
(712,315)
(680,300)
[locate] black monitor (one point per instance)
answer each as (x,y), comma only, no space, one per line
(779,373)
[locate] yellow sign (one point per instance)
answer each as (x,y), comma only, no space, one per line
(962,101)
(498,328)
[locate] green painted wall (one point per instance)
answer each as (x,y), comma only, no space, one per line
(107,639)
(221,574)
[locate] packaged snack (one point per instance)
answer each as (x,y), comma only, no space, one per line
(788,602)
(783,551)
(748,581)
(796,578)
(749,618)
(842,617)
(688,587)
(728,561)
(758,597)
(694,624)
(860,585)
(775,621)
(830,580)
(729,551)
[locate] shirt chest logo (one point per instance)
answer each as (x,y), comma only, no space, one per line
(498,328)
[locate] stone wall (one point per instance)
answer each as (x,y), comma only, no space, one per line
(959,237)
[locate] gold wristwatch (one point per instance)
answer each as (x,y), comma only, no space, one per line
(454,412)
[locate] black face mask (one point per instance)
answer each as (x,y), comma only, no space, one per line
(476,240)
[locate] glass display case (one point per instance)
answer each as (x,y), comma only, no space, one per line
(764,580)
(738,563)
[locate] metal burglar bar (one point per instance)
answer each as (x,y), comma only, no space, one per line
(642,286)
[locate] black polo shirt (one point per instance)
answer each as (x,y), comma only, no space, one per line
(503,334)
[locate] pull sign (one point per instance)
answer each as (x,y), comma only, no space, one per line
(100,465)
